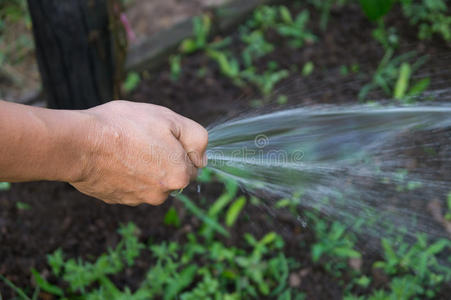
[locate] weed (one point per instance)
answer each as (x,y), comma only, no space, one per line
(228,65)
(431,16)
(387,37)
(448,204)
(264,82)
(234,210)
(324,8)
(296,30)
(399,70)
(131,82)
(201,31)
(171,218)
(22,205)
(419,259)
(256,48)
(209,221)
(5,186)
(375,10)
(175,64)
(264,17)
(333,241)
(194,270)
(346,70)
(282,99)
(307,69)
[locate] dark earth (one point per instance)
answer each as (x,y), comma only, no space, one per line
(61,217)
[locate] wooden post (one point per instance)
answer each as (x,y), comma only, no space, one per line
(75,49)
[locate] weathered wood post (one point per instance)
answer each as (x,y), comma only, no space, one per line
(76,48)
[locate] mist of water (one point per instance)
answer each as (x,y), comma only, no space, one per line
(380,170)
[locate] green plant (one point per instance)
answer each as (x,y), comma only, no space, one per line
(131,82)
(256,47)
(171,218)
(405,287)
(387,37)
(335,244)
(209,221)
(5,186)
(376,9)
(201,31)
(80,274)
(264,82)
(399,70)
(297,30)
(264,17)
(420,259)
(324,7)
(228,65)
(20,292)
(291,203)
(193,270)
(234,210)
(307,69)
(282,99)
(448,204)
(431,16)
(175,64)
(22,205)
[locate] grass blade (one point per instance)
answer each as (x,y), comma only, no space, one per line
(201,215)
(18,290)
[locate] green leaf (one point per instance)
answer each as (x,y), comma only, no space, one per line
(131,82)
(268,238)
(56,261)
(308,69)
(375,9)
(201,215)
(16,289)
(184,279)
(363,281)
(5,186)
(403,81)
(317,251)
(234,210)
(219,205)
(419,87)
(175,65)
(109,287)
(438,246)
(171,218)
(188,46)
(45,285)
(285,14)
(346,252)
(22,205)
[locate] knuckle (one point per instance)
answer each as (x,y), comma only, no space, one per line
(166,111)
(203,137)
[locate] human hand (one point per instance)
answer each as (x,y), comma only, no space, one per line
(137,153)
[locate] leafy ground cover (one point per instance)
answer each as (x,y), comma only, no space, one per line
(220,243)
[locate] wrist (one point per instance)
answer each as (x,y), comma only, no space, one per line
(73,147)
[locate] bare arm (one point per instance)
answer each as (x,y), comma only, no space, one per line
(119,152)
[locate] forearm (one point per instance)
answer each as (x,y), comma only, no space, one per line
(40,144)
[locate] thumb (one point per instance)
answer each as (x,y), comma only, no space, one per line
(194,139)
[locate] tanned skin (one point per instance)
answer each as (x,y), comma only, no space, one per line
(119,152)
